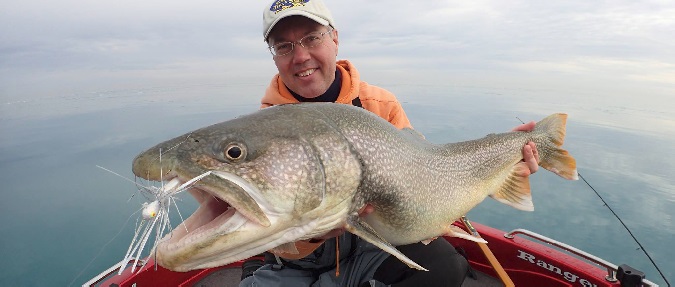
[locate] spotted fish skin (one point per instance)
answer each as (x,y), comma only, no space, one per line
(305,169)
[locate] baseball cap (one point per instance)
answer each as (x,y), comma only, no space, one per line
(279,9)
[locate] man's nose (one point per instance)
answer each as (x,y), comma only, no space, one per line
(300,53)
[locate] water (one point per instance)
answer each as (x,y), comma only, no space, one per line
(60,211)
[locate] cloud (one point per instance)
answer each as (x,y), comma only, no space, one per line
(572,40)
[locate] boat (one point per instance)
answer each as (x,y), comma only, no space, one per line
(516,258)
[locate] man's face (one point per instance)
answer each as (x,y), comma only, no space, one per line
(307,71)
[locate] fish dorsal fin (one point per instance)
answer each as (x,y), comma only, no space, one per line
(414,134)
(361,229)
(515,191)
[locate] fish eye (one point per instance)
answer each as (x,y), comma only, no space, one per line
(235,151)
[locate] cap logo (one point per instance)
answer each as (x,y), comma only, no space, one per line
(281,5)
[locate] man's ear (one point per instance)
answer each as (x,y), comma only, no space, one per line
(336,41)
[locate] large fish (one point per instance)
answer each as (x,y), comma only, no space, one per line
(294,172)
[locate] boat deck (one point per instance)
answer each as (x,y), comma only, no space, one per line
(229,277)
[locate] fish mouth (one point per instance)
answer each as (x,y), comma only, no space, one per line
(216,216)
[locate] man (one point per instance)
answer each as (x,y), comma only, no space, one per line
(303,40)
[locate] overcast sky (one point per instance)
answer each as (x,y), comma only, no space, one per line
(77,46)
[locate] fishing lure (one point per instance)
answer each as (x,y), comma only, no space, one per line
(156,213)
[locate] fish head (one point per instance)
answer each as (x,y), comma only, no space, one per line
(273,177)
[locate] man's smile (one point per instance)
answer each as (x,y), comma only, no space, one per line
(306,73)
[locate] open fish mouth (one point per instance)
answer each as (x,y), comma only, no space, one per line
(216,215)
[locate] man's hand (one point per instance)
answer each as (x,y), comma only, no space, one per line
(530,154)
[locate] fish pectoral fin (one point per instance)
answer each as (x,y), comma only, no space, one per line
(361,229)
(454,231)
(515,191)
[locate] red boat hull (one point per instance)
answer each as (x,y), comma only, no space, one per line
(528,263)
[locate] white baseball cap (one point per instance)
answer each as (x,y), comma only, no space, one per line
(279,9)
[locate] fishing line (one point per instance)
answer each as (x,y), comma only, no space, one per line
(142,188)
(164,217)
(102,248)
(627,229)
(622,223)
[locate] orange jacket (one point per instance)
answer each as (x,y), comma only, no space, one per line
(375,99)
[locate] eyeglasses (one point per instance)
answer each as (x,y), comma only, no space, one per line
(309,41)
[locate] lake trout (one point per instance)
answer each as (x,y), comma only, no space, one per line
(295,172)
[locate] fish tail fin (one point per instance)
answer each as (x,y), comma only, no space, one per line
(515,191)
(552,157)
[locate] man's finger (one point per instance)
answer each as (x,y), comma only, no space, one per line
(532,160)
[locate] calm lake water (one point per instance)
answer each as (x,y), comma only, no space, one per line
(65,220)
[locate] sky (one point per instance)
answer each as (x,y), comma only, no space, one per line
(607,55)
(76,46)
